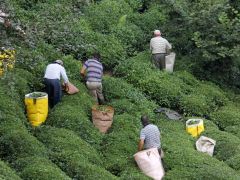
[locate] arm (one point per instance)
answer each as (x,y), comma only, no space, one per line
(64,75)
(141,141)
(151,45)
(140,144)
(83,70)
(168,46)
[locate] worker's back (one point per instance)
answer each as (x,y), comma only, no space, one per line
(159,45)
(151,136)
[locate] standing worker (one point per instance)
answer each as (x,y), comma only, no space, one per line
(159,47)
(93,70)
(149,136)
(53,73)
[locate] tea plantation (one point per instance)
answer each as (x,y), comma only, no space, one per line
(67,145)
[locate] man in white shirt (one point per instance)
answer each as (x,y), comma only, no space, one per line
(53,73)
(159,47)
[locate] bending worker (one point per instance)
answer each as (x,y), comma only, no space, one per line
(53,73)
(94,71)
(159,47)
(149,136)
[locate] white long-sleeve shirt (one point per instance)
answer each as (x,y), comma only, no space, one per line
(55,71)
(159,45)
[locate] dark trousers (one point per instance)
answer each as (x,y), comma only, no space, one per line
(159,60)
(54,91)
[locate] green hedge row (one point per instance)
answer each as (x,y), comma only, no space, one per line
(27,155)
(74,113)
(7,173)
(35,167)
(179,147)
(72,154)
(179,90)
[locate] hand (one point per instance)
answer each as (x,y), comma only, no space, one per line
(82,74)
(66,86)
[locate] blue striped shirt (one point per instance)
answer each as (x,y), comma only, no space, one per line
(94,70)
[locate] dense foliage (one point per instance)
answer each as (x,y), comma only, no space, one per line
(204,35)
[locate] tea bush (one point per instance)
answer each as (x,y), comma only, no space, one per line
(153,18)
(117,90)
(133,173)
(7,173)
(119,146)
(111,49)
(195,104)
(75,119)
(226,116)
(63,141)
(233,130)
(130,36)
(17,142)
(34,167)
(105,14)
(184,158)
(227,144)
(234,162)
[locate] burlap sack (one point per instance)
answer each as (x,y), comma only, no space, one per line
(102,119)
(71,89)
(150,163)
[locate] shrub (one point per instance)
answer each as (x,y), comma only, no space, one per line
(195,104)
(133,173)
(39,168)
(119,146)
(102,16)
(233,162)
(83,170)
(162,87)
(226,116)
(64,141)
(72,67)
(111,49)
(7,173)
(130,36)
(125,96)
(75,119)
(148,21)
(17,142)
(227,145)
(185,158)
(207,171)
(233,130)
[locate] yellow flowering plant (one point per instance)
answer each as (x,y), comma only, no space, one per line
(7,59)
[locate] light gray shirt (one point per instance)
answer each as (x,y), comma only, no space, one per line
(151,136)
(159,45)
(55,71)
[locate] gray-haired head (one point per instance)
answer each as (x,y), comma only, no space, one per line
(157,32)
(59,62)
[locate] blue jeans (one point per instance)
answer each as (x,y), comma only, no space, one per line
(54,91)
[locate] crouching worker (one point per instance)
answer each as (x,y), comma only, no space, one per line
(93,70)
(149,136)
(53,73)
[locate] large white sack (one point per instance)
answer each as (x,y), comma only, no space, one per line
(205,145)
(149,161)
(170,60)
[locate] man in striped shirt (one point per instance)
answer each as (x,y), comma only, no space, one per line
(149,136)
(159,47)
(93,70)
